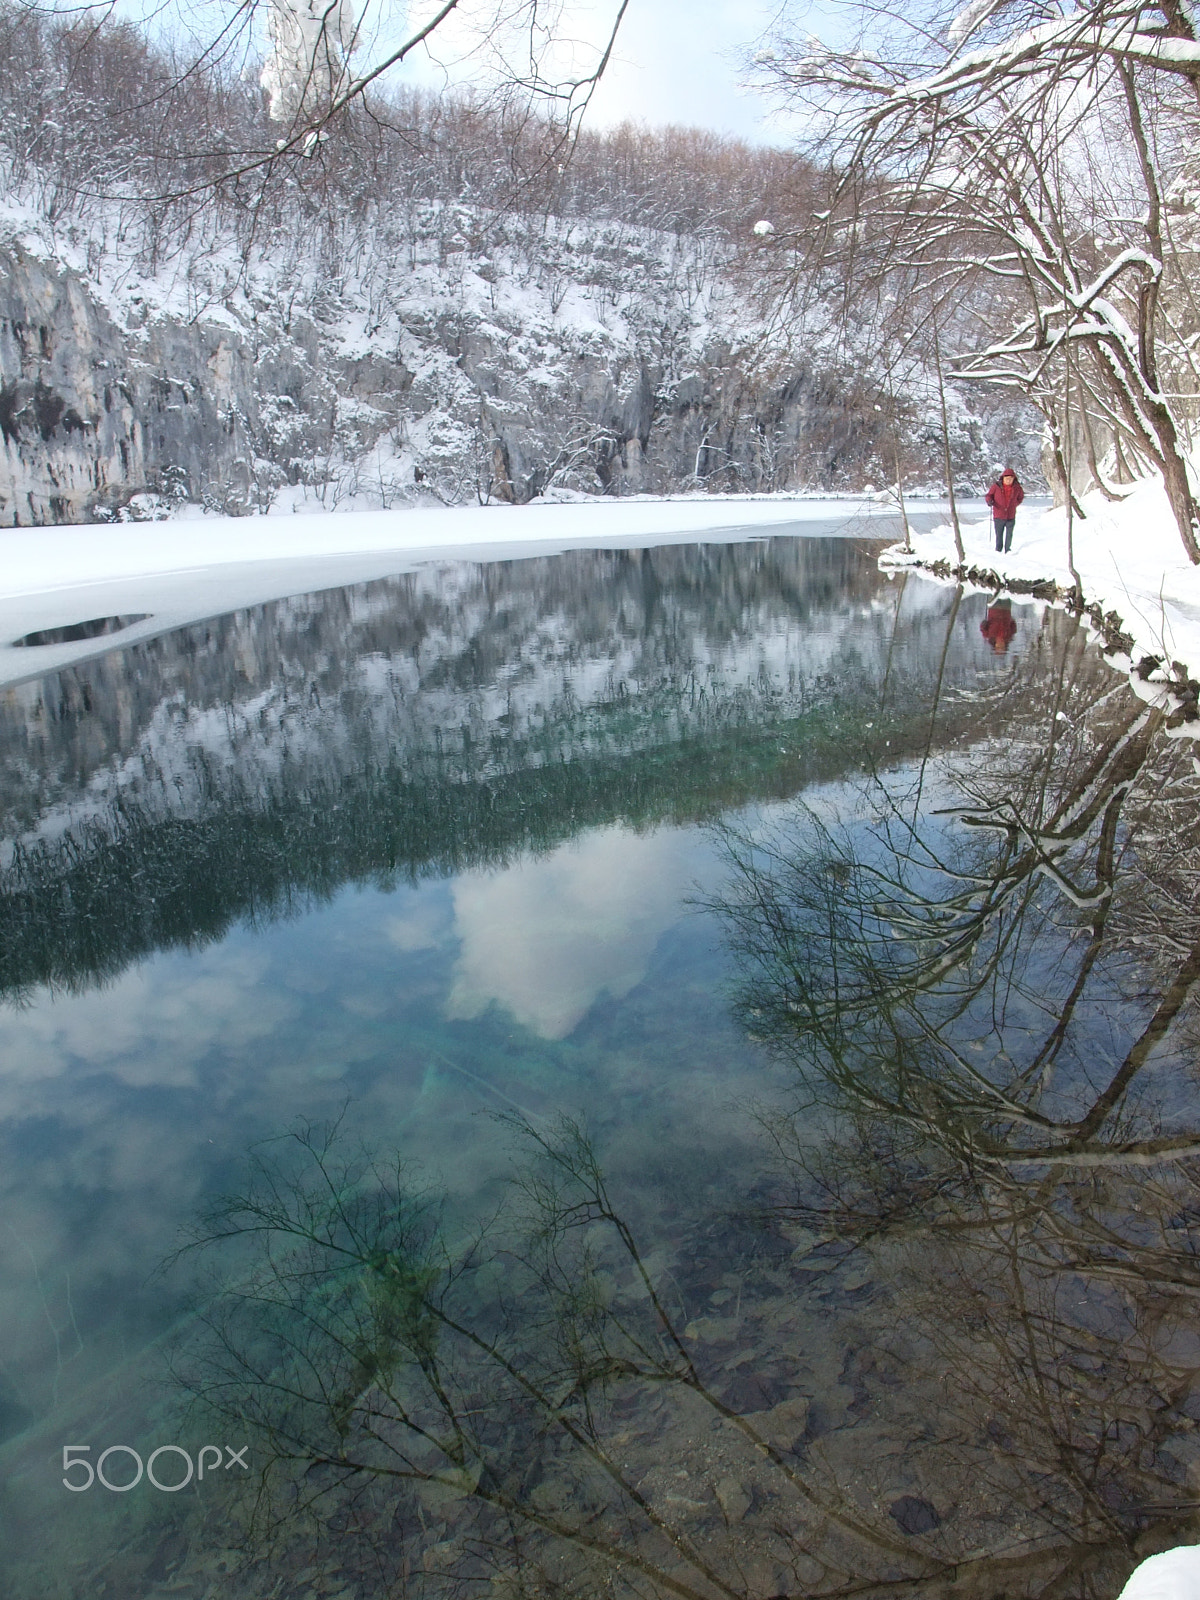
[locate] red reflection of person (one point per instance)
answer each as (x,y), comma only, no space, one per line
(998,627)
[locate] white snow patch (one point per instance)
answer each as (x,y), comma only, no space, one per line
(969,19)
(306,69)
(183,571)
(1171,1575)
(1128,555)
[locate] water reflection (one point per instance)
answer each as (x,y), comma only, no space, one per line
(948,1345)
(528,1405)
(999,627)
(549,935)
(442,722)
(990,1004)
(423,847)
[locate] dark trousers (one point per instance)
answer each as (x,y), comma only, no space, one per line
(1004,532)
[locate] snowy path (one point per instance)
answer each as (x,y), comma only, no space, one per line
(1129,558)
(184,571)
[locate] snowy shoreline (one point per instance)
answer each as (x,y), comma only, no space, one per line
(1140,593)
(40,560)
(179,571)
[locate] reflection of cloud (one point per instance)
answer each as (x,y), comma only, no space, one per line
(106,1081)
(424,924)
(544,938)
(148,1028)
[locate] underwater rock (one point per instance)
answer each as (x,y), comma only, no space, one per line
(913,1515)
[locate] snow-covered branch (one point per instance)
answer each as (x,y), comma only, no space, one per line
(1061,47)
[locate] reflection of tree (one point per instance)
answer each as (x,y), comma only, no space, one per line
(988,1005)
(993,1117)
(987,1001)
(522,1405)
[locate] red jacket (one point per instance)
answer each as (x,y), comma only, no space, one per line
(999,627)
(1004,498)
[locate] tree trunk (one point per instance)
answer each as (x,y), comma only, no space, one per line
(1179,490)
(937,352)
(1158,421)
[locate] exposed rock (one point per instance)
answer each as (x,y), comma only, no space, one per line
(105,398)
(783,1425)
(733,1499)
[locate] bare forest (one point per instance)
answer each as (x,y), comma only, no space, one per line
(443,297)
(1032,165)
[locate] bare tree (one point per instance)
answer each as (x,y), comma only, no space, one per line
(1019,157)
(325,57)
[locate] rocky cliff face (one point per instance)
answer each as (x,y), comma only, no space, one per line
(93,413)
(471,377)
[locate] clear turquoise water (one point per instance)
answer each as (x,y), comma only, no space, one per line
(414,854)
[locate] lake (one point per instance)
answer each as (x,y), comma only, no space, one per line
(661,1071)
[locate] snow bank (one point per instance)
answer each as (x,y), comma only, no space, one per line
(184,571)
(1172,1575)
(1129,559)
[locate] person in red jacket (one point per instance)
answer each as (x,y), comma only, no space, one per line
(1004,497)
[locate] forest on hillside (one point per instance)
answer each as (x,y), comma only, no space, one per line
(221,290)
(444,296)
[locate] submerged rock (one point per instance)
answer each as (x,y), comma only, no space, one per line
(914,1515)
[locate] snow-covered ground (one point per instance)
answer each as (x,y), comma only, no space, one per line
(1128,555)
(183,571)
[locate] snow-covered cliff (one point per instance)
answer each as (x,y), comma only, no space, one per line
(438,300)
(491,362)
(484,375)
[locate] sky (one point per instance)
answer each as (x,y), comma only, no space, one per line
(681,62)
(676,61)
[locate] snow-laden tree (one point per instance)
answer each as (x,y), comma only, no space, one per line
(319,59)
(307,69)
(1033,160)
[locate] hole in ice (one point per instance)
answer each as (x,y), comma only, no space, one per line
(71,632)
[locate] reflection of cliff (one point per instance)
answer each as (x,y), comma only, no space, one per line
(431,722)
